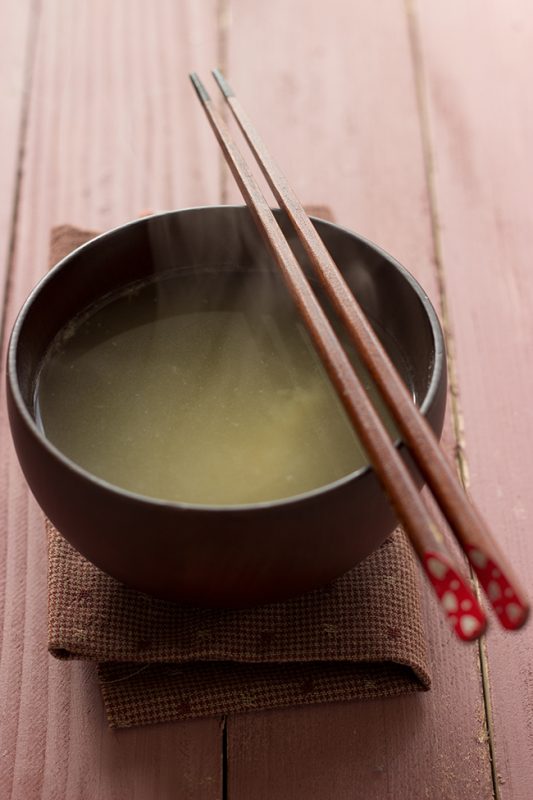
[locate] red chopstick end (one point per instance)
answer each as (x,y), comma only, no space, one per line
(456,597)
(511,610)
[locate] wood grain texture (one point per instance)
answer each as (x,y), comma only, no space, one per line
(337,105)
(481,127)
(112,130)
(18,19)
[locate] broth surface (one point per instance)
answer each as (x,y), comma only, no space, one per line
(198,395)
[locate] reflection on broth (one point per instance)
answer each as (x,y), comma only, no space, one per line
(175,391)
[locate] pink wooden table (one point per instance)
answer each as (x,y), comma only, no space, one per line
(419,135)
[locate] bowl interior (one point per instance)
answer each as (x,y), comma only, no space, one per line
(202,243)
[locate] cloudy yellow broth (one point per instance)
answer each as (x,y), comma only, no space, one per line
(198,391)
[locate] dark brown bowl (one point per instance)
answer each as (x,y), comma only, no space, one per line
(230,555)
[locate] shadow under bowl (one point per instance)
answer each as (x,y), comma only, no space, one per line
(224,556)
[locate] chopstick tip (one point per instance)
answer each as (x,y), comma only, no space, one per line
(224,86)
(201,91)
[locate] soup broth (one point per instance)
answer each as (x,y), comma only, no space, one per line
(200,389)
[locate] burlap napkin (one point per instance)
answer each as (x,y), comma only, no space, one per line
(360,637)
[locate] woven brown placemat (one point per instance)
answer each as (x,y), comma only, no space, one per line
(360,637)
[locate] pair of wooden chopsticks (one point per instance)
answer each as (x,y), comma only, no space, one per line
(453,590)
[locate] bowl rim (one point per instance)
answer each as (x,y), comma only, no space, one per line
(438,366)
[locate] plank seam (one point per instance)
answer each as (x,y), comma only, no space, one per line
(457,415)
(29,68)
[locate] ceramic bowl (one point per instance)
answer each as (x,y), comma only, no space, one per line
(227,556)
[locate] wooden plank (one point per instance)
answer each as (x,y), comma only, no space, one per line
(113,129)
(334,96)
(17,40)
(481,123)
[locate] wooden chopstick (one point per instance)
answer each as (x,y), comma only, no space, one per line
(456,596)
(488,562)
